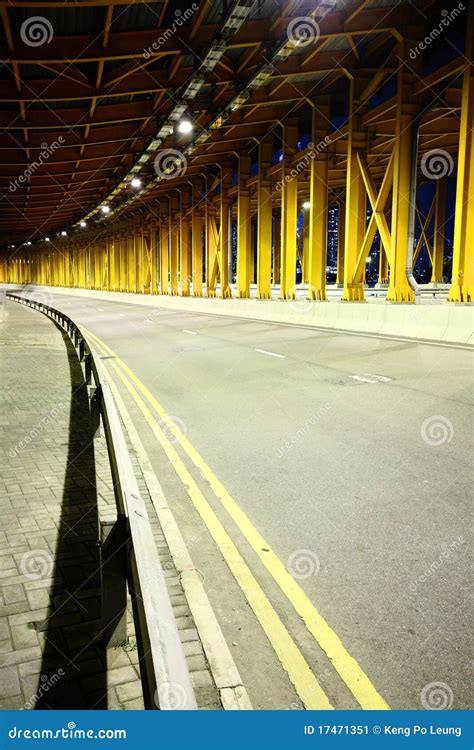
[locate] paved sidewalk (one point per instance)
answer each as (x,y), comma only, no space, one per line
(54,480)
(53,477)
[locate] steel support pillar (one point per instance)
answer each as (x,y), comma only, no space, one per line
(289,213)
(341,238)
(185,244)
(225,231)
(197,242)
(462,287)
(355,219)
(315,263)
(439,239)
(399,289)
(174,245)
(244,228)
(264,221)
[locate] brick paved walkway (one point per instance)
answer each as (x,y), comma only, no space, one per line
(53,480)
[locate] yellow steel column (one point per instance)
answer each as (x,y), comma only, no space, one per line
(197,242)
(174,245)
(341,238)
(130,256)
(123,257)
(225,230)
(264,221)
(212,240)
(154,255)
(399,289)
(185,243)
(383,265)
(355,218)
(164,253)
(243,228)
(138,244)
(289,213)
(318,211)
(462,287)
(276,248)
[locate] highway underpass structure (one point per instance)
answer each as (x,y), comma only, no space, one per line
(236,282)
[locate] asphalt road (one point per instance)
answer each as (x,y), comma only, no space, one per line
(351,456)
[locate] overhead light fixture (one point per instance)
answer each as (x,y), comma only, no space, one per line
(28,243)
(263,75)
(46,239)
(306,205)
(185,126)
(63,233)
(213,55)
(177,112)
(105,209)
(83,224)
(193,87)
(237,16)
(136,182)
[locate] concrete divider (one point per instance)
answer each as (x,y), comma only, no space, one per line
(430,321)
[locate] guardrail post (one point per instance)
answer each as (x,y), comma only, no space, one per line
(113,575)
(96,400)
(88,368)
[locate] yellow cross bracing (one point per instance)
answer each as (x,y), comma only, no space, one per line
(181,234)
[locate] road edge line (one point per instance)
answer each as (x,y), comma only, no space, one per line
(229,683)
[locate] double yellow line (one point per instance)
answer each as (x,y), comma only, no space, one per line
(291,658)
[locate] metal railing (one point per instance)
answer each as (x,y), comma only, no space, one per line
(128,550)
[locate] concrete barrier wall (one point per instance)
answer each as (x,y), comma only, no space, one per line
(439,322)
